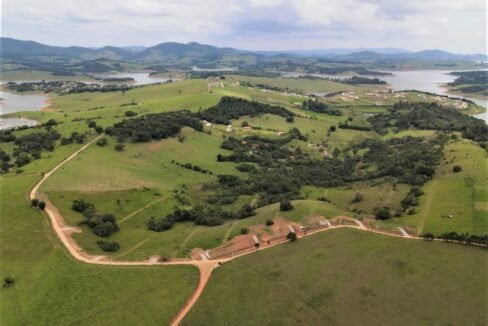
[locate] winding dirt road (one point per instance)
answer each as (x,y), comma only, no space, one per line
(206,267)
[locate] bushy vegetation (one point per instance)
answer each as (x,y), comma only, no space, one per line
(470,77)
(460,237)
(154,126)
(233,108)
(65,87)
(75,137)
(200,215)
(101,225)
(356,80)
(109,246)
(320,107)
(27,147)
(429,116)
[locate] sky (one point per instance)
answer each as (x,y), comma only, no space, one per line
(453,25)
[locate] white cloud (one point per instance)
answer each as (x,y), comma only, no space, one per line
(451,25)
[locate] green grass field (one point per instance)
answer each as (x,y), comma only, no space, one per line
(51,288)
(461,195)
(348,277)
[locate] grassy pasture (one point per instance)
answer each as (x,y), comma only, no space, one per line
(51,288)
(462,195)
(142,165)
(348,277)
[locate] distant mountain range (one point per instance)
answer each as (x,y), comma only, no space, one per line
(196,52)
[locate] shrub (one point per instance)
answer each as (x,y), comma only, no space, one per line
(109,246)
(292,236)
(457,168)
(357,199)
(269,222)
(41,205)
(119,147)
(159,225)
(285,205)
(244,231)
(382,213)
(332,128)
(290,119)
(102,142)
(34,202)
(130,113)
(8,282)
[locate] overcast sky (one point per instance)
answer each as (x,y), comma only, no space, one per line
(453,25)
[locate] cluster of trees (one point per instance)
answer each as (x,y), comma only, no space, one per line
(461,237)
(192,167)
(429,116)
(355,80)
(75,137)
(411,160)
(283,170)
(4,161)
(154,126)
(109,246)
(470,77)
(200,215)
(346,125)
(474,89)
(102,142)
(286,205)
(233,108)
(343,69)
(411,199)
(101,225)
(320,107)
(65,87)
(6,136)
(38,203)
(29,147)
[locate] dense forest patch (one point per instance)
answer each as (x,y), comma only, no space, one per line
(429,116)
(233,108)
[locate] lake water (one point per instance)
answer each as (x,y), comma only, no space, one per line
(11,102)
(141,78)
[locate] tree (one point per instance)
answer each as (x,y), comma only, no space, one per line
(428,236)
(109,246)
(8,281)
(41,205)
(382,213)
(292,236)
(285,205)
(244,231)
(34,202)
(357,199)
(269,222)
(245,124)
(92,124)
(119,147)
(332,128)
(290,119)
(102,142)
(457,168)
